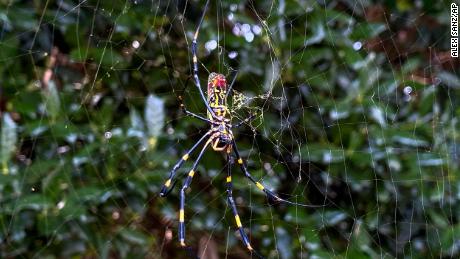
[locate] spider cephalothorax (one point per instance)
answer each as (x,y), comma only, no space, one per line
(221,139)
(216,80)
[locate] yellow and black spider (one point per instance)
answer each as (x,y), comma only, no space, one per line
(221,138)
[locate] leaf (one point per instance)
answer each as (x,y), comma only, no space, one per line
(410,141)
(430,159)
(365,30)
(52,101)
(9,138)
(272,75)
(318,33)
(107,57)
(449,240)
(361,237)
(451,80)
(331,218)
(437,219)
(322,153)
(284,242)
(95,194)
(352,57)
(137,125)
(32,202)
(154,116)
(134,236)
(378,115)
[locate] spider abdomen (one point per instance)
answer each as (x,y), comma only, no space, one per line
(217,95)
(217,100)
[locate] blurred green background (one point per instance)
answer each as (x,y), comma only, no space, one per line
(357,110)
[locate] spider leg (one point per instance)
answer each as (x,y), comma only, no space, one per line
(270,195)
(195,62)
(198,117)
(189,113)
(185,186)
(231,202)
(164,191)
(231,84)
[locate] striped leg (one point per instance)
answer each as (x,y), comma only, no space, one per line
(270,195)
(187,112)
(166,187)
(231,202)
(195,62)
(235,74)
(186,184)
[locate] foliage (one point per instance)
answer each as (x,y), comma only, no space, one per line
(356,109)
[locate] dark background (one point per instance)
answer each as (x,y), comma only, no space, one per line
(356,105)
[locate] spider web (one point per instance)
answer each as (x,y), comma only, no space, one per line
(355,111)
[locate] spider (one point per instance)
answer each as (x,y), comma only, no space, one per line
(220,137)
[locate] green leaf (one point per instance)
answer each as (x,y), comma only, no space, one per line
(378,114)
(449,240)
(32,202)
(106,56)
(430,159)
(450,79)
(137,125)
(331,218)
(52,101)
(365,30)
(361,238)
(318,33)
(154,116)
(410,141)
(438,219)
(9,138)
(134,236)
(96,194)
(322,153)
